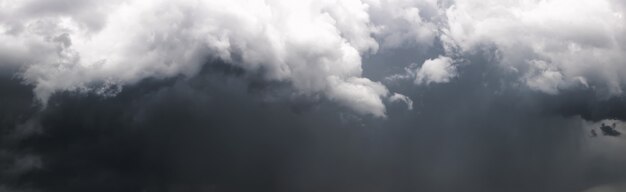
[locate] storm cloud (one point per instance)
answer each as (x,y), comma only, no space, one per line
(316,95)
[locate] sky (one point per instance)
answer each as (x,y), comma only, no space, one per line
(312,95)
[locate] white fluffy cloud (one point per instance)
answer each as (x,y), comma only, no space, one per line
(553,43)
(438,70)
(316,45)
(405,22)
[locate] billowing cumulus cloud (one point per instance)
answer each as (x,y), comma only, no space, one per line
(554,44)
(315,45)
(400,23)
(438,70)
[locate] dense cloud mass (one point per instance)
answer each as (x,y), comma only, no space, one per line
(553,44)
(313,95)
(315,45)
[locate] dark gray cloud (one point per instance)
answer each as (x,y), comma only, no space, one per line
(228,130)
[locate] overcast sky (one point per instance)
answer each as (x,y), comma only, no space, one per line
(313,95)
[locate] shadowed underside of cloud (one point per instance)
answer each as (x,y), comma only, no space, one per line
(228,130)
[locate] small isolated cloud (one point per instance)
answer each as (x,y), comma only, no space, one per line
(397,97)
(439,70)
(607,128)
(610,130)
(409,74)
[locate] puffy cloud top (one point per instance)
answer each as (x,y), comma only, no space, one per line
(554,44)
(439,70)
(315,45)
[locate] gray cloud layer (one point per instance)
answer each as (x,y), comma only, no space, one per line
(226,130)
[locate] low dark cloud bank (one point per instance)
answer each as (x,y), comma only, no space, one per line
(219,132)
(333,96)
